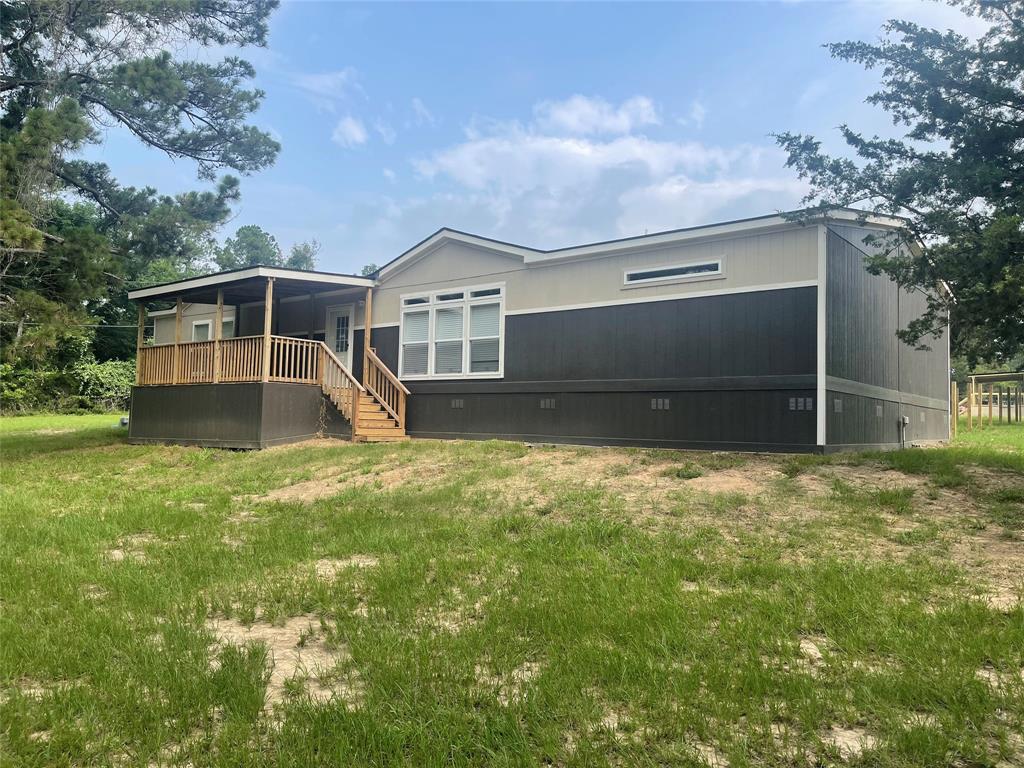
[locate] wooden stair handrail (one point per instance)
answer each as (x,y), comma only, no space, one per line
(384,386)
(344,370)
(371,352)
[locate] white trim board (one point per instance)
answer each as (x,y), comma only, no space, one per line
(629,244)
(822,328)
(672,297)
(222,278)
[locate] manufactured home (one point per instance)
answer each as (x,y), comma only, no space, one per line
(764,334)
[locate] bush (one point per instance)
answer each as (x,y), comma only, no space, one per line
(107,385)
(88,386)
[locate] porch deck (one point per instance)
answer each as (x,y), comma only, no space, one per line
(196,372)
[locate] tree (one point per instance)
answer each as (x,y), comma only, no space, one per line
(70,69)
(957,174)
(303,255)
(250,247)
(369,269)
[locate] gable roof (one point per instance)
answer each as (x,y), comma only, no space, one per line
(608,247)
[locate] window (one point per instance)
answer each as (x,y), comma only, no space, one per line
(341,321)
(702,270)
(453,333)
(202,330)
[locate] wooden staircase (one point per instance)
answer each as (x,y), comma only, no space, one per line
(376,425)
(376,408)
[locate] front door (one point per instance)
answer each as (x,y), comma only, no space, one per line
(339,333)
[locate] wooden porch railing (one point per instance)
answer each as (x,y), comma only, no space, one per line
(241,359)
(385,386)
(296,361)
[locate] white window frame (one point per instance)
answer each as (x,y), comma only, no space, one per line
(431,306)
(209,329)
(718,274)
(209,325)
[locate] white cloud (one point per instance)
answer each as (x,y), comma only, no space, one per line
(537,184)
(327,89)
(349,132)
(680,201)
(547,190)
(517,159)
(387,133)
(582,115)
(695,116)
(421,115)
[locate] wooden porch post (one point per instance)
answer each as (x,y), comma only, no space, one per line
(218,323)
(177,340)
(140,341)
(268,304)
(367,323)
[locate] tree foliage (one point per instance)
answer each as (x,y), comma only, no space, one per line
(252,246)
(72,239)
(956,175)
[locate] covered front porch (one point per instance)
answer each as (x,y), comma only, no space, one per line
(260,356)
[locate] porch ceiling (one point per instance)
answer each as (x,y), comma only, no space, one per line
(245,285)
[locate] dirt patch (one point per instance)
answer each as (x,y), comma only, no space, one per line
(866,477)
(327,569)
(644,482)
(385,477)
(131,547)
(999,680)
(710,756)
(93,592)
(750,481)
(850,743)
(510,688)
(299,658)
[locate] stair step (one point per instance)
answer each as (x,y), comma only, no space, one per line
(374,416)
(385,431)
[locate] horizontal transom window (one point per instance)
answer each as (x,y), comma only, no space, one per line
(455,333)
(692,271)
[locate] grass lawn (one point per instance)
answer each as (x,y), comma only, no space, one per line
(449,604)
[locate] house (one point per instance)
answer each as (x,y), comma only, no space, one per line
(762,334)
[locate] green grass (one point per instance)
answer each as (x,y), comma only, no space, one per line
(510,607)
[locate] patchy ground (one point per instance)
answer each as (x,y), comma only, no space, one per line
(496,603)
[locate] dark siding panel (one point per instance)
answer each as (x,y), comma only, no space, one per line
(862,319)
(298,412)
(227,415)
(231,415)
(861,423)
(752,420)
(768,333)
(923,372)
(864,312)
(603,365)
(753,334)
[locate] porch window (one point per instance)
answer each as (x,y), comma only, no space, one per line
(455,333)
(201,330)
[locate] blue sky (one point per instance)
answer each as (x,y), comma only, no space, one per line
(542,124)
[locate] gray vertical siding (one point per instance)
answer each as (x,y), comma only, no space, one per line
(864,311)
(728,367)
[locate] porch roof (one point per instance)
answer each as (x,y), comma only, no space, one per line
(249,284)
